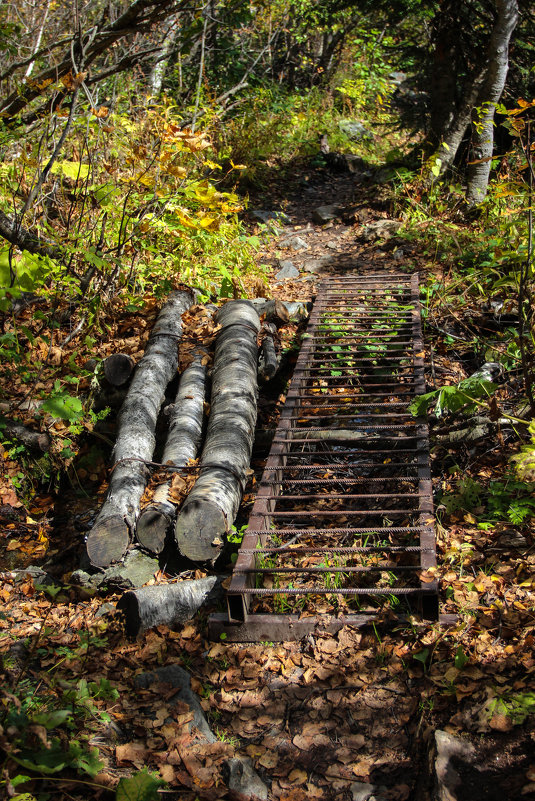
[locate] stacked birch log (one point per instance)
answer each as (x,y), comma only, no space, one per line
(208,512)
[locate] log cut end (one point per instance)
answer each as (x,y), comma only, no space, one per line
(200,531)
(118,368)
(152,527)
(108,541)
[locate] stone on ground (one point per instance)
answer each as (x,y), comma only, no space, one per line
(354,130)
(324,214)
(270,216)
(380,229)
(287,270)
(447,778)
(294,242)
(244,783)
(180,679)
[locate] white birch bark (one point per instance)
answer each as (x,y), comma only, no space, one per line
(109,538)
(157,74)
(183,440)
(166,604)
(211,507)
(491,91)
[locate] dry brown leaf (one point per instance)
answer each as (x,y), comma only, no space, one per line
(167,772)
(297,776)
(268,760)
(500,723)
(306,742)
(131,752)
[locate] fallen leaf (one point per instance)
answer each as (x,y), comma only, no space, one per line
(297,776)
(500,723)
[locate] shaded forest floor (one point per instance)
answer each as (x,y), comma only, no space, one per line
(314,716)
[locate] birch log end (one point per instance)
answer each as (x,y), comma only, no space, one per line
(108,540)
(118,368)
(211,507)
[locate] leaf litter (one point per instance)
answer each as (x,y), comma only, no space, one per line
(313,716)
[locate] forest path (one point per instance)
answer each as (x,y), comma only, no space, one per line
(357,235)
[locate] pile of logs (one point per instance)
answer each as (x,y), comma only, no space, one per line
(245,351)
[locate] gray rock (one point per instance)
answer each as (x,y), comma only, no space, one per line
(243,781)
(33,572)
(317,265)
(324,214)
(136,569)
(384,174)
(177,677)
(270,216)
(106,609)
(380,229)
(354,130)
(18,651)
(361,791)
(397,77)
(294,242)
(447,778)
(487,372)
(298,311)
(512,539)
(85,580)
(287,270)
(332,244)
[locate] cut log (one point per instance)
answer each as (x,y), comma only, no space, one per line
(269,363)
(118,368)
(108,540)
(35,440)
(212,505)
(274,311)
(183,440)
(280,312)
(166,604)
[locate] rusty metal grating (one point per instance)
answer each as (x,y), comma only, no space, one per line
(343,525)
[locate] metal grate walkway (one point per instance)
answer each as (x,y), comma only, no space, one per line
(342,527)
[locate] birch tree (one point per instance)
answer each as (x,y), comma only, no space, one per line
(490,93)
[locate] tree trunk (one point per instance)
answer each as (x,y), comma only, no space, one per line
(109,538)
(24,239)
(183,440)
(482,88)
(35,440)
(444,73)
(269,363)
(212,505)
(166,604)
(491,91)
(157,74)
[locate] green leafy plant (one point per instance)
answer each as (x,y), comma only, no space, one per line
(142,786)
(465,396)
(516,706)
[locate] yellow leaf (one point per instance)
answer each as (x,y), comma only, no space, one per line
(178,172)
(297,776)
(208,222)
(184,219)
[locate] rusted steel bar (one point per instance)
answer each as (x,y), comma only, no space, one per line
(363,350)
